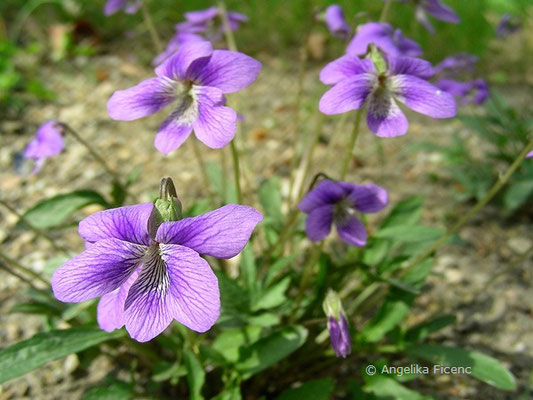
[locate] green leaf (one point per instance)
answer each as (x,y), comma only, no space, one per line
(230,341)
(55,210)
(271,201)
(249,269)
(112,390)
(164,371)
(406,233)
(195,375)
(517,194)
(386,388)
(25,356)
(317,389)
(271,349)
(272,297)
(274,269)
(424,329)
(394,309)
(483,367)
(406,212)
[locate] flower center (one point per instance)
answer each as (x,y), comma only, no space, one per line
(343,211)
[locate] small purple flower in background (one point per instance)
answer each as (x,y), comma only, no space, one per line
(149,274)
(209,22)
(175,43)
(195,78)
(475,91)
(456,65)
(507,26)
(332,202)
(384,36)
(48,142)
(379,84)
(337,325)
(529,155)
(336,22)
(437,10)
(129,6)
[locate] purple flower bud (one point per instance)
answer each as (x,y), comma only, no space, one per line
(530,154)
(48,142)
(195,79)
(357,82)
(149,276)
(335,21)
(337,324)
(332,202)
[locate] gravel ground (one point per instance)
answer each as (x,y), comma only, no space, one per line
(494,315)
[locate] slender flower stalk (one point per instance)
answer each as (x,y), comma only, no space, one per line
(385,11)
(95,154)
(232,45)
(23,269)
(38,231)
(151,28)
(351,144)
(474,210)
(6,268)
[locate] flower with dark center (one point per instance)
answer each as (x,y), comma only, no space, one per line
(337,203)
(379,82)
(194,79)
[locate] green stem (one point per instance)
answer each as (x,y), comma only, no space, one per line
(306,276)
(236,170)
(228,33)
(150,26)
(474,210)
(24,269)
(351,145)
(385,11)
(39,232)
(309,156)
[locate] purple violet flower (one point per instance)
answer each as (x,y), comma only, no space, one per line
(456,65)
(175,43)
(476,91)
(129,6)
(333,202)
(379,84)
(339,332)
(195,78)
(529,155)
(384,36)
(209,22)
(437,10)
(147,277)
(336,22)
(507,26)
(48,142)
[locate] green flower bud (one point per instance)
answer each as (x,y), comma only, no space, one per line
(378,59)
(166,208)
(332,305)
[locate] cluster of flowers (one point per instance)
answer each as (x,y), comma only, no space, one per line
(144,260)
